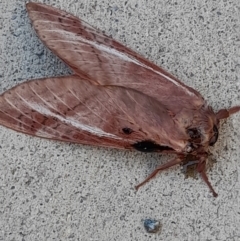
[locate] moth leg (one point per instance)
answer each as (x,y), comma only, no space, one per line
(171,163)
(201,168)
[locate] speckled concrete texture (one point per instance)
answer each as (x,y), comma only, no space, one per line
(59,191)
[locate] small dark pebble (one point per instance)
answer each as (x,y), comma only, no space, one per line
(152,225)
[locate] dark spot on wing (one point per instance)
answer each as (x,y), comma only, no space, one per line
(127,130)
(150,146)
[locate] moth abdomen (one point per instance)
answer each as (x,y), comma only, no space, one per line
(150,146)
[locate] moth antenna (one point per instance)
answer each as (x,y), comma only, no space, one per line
(201,168)
(171,163)
(224,113)
(234,110)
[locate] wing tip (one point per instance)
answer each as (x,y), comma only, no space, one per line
(39,7)
(31,6)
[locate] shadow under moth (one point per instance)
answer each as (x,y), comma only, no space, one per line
(114,98)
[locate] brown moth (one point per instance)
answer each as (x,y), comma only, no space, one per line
(108,100)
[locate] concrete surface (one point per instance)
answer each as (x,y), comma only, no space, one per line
(58,191)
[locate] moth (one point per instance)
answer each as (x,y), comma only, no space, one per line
(114,98)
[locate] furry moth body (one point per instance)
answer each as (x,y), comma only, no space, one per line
(107,101)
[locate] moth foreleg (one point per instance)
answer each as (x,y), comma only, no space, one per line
(201,168)
(171,163)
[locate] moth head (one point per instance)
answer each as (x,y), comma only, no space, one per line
(204,130)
